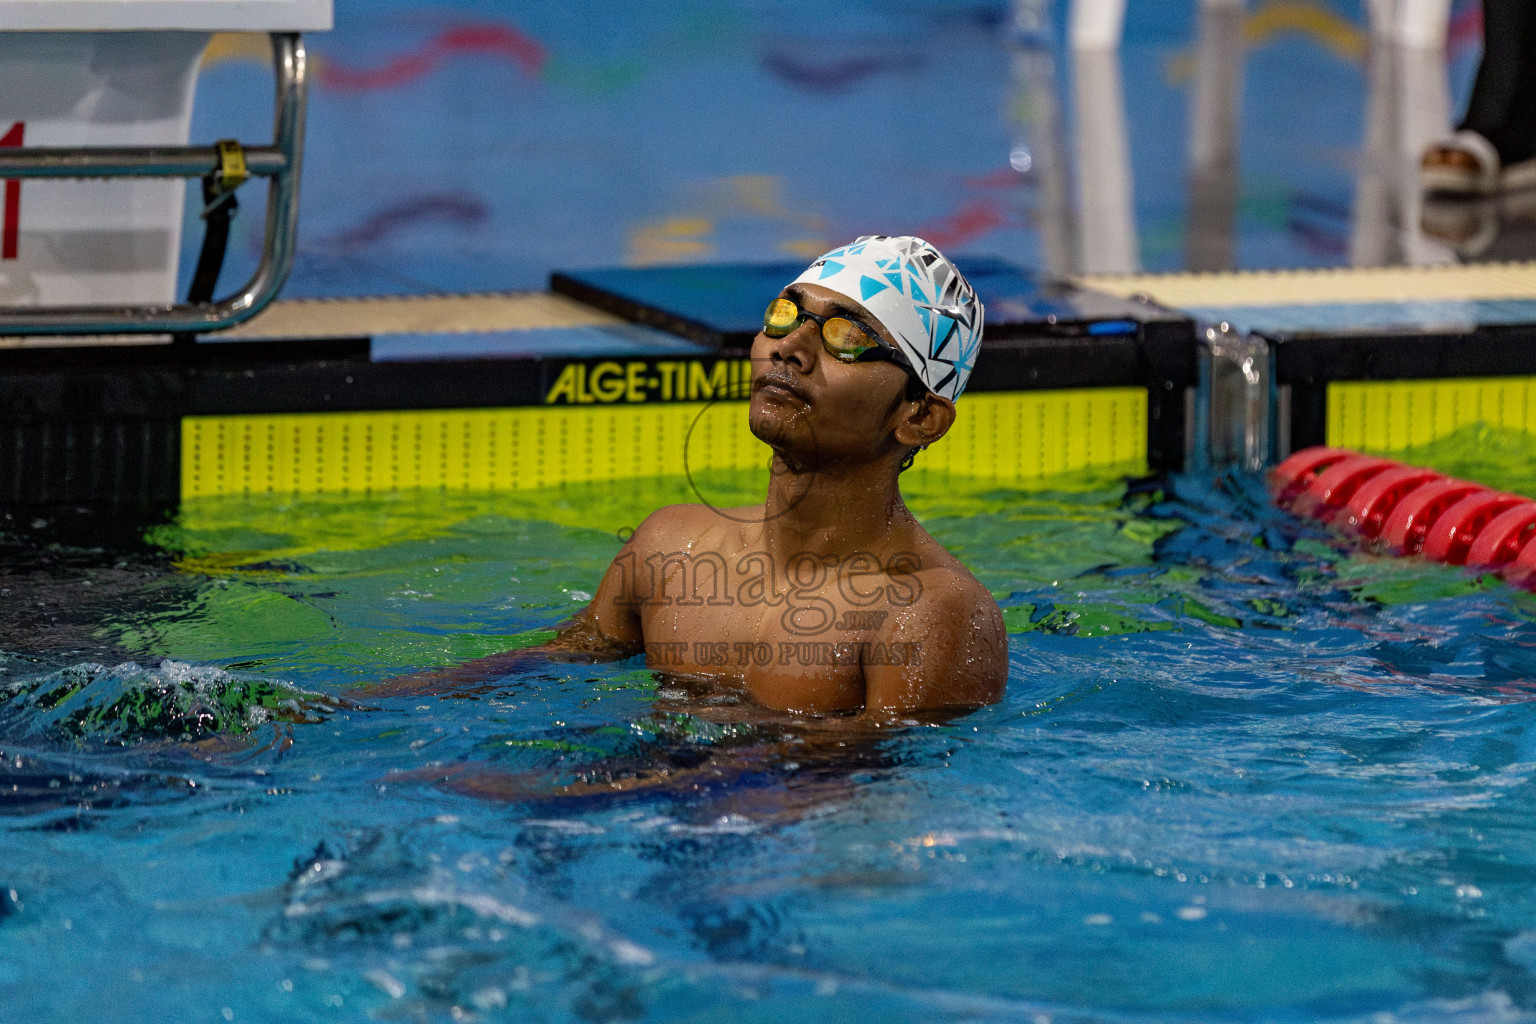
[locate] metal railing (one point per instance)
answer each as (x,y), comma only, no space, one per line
(281,162)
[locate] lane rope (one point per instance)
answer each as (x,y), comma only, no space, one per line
(1409,510)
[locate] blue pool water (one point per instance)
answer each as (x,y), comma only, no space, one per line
(1241,773)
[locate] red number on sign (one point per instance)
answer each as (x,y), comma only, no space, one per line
(12,227)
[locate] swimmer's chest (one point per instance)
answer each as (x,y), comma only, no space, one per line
(793,647)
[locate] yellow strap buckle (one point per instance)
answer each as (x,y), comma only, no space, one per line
(232,171)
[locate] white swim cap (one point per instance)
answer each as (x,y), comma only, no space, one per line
(917,295)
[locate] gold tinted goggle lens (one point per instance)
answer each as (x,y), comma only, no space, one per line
(843,339)
(782,317)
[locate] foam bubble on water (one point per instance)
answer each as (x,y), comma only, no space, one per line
(320,871)
(566,826)
(480,903)
(631,954)
(386,983)
(327,904)
(652,822)
(492,997)
(726,824)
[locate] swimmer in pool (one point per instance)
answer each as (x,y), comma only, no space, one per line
(829,597)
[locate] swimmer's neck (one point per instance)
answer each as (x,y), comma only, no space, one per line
(837,509)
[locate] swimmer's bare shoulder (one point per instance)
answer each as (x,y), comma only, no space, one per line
(954,643)
(612,620)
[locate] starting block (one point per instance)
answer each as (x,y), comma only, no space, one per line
(104,89)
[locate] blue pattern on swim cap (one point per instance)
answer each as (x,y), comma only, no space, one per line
(893,277)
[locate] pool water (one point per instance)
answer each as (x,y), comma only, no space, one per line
(1242,772)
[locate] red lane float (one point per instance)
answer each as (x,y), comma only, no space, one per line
(1522,571)
(1403,532)
(1409,510)
(1292,476)
(1505,536)
(1451,538)
(1368,509)
(1335,485)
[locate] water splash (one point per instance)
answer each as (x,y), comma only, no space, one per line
(127,704)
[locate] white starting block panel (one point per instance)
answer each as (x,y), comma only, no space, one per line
(165,15)
(90,73)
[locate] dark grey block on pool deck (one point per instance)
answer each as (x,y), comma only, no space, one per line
(722,305)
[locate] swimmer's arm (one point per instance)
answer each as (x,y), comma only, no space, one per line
(954,653)
(481,674)
(607,629)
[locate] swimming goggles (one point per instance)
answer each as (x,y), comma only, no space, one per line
(845,340)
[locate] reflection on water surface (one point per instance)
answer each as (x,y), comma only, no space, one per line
(1241,770)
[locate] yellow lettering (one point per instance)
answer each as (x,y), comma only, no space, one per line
(604,389)
(664,371)
(634,380)
(702,386)
(581,384)
(565,386)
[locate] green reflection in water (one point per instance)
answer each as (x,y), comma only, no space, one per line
(357,588)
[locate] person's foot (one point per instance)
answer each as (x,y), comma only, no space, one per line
(1466,164)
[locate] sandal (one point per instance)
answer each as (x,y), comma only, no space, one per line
(1466,164)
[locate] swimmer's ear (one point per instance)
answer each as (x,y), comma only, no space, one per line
(924,420)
